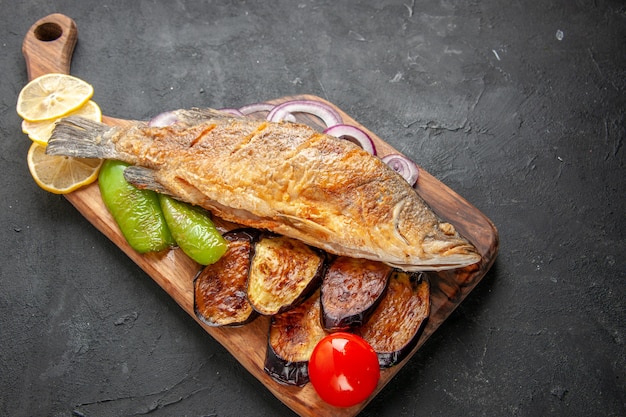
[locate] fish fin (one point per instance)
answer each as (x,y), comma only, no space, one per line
(307,227)
(81,138)
(439,263)
(144,178)
(195,115)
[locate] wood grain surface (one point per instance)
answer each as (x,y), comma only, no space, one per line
(48,48)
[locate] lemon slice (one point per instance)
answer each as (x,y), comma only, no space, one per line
(40,131)
(60,174)
(52,96)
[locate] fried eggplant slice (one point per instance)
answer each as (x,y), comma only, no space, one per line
(292,337)
(351,290)
(397,323)
(220,289)
(284,271)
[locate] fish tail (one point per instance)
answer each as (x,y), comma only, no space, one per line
(81,138)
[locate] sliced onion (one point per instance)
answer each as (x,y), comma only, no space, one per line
(167,118)
(263,107)
(353,134)
(329,116)
(256,108)
(234,112)
(403,166)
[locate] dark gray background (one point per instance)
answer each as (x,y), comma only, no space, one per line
(519,106)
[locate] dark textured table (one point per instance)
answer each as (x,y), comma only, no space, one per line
(519,107)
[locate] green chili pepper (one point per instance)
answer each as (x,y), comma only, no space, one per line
(137,212)
(193,231)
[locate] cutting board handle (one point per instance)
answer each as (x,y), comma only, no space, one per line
(49,44)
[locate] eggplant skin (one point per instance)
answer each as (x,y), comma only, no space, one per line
(351,290)
(399,320)
(220,289)
(286,372)
(292,337)
(283,273)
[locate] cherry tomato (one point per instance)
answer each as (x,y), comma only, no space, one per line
(344,369)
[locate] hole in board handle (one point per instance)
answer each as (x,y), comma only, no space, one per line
(48,32)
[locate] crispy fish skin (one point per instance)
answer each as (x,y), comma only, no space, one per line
(284,177)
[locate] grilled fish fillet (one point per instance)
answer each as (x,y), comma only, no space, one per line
(284,177)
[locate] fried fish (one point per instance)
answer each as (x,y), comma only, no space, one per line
(284,177)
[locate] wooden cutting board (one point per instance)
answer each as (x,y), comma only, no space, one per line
(48,48)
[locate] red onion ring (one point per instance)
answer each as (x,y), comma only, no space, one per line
(403,166)
(329,116)
(234,112)
(263,107)
(167,118)
(353,134)
(256,108)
